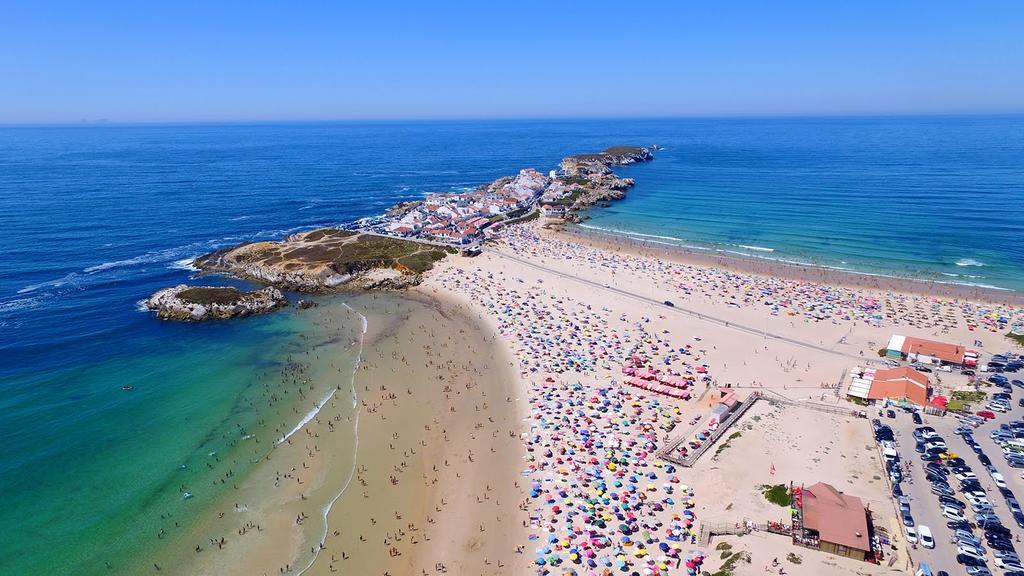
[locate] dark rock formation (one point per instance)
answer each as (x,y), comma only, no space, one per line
(592,177)
(194,303)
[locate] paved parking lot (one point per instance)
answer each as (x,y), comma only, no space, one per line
(925,506)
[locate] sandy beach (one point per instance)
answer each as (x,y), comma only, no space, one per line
(430,484)
(497,433)
(781,269)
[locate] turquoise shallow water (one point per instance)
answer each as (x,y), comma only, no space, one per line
(101,470)
(95,219)
(934,198)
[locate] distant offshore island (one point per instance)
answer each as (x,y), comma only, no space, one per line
(392,251)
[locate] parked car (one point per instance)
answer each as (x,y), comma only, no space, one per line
(965,535)
(970,560)
(970,551)
(986,414)
(892,413)
(950,501)
(953,513)
(908,520)
(924,536)
(1010,562)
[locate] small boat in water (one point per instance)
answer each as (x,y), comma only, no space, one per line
(127,387)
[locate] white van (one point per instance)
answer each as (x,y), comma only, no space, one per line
(924,536)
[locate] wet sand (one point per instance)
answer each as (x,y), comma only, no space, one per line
(430,485)
(439,455)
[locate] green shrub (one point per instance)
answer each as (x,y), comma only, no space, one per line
(777,494)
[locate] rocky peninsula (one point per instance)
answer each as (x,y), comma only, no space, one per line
(195,303)
(590,179)
(394,250)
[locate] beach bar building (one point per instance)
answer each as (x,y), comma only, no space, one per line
(833,522)
(897,384)
(925,351)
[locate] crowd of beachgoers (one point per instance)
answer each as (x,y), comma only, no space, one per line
(600,499)
(780,296)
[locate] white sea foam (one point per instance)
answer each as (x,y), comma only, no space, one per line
(140,306)
(319,406)
(184,264)
(964,262)
(975,285)
(66,279)
(238,218)
(155,256)
(643,237)
(18,304)
(326,510)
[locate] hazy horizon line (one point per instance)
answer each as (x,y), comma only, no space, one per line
(99,122)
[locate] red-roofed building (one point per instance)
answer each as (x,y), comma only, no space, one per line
(900,384)
(927,351)
(833,522)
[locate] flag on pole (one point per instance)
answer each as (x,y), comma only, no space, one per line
(772,469)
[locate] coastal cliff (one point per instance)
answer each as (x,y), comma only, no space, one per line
(327,259)
(209,302)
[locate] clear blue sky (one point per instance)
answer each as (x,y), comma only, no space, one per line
(252,60)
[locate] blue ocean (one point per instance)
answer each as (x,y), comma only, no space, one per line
(102,407)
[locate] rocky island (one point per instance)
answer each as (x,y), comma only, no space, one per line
(195,303)
(327,259)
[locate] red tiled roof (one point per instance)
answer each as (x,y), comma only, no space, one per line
(943,351)
(838,518)
(900,383)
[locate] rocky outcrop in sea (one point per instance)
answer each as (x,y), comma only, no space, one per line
(592,179)
(194,303)
(326,260)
